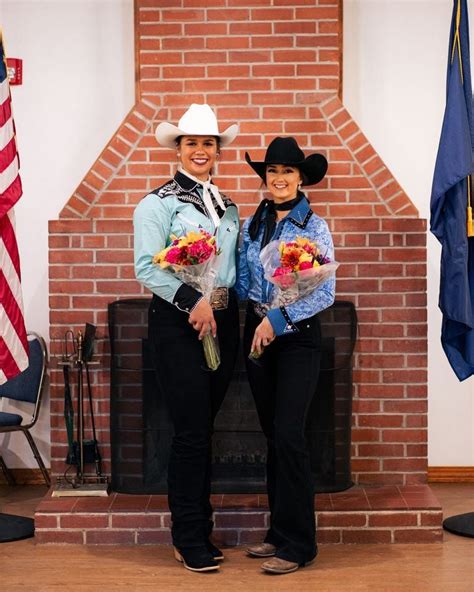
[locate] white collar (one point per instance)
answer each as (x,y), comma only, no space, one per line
(192,177)
(207,188)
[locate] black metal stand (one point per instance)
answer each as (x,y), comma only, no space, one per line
(81,485)
(15,528)
(12,527)
(6,472)
(462,525)
(80,408)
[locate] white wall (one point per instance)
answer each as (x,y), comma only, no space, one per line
(78,85)
(395,57)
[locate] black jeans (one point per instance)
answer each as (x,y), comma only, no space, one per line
(283,384)
(193,396)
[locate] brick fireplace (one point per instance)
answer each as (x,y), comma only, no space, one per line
(275,67)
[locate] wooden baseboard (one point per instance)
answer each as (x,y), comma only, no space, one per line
(24,477)
(451,474)
(435,475)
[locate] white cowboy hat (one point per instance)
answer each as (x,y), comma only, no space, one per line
(199,120)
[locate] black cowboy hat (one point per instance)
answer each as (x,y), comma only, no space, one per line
(286,151)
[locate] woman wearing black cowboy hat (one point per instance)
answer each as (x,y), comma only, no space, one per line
(284,381)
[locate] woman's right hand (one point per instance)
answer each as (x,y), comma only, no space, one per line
(202,318)
(263,336)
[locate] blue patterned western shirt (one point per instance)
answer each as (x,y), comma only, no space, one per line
(252,285)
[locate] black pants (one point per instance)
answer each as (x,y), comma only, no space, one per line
(283,384)
(193,396)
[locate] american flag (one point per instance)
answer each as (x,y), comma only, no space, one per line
(13,340)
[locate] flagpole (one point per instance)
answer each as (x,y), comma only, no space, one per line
(470,224)
(457,49)
(448,194)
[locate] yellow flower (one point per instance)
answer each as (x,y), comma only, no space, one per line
(305,257)
(159,258)
(193,236)
(307,245)
(302,241)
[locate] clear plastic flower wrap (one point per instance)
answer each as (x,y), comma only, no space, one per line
(194,259)
(296,268)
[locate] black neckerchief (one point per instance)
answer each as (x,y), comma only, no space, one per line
(289,205)
(269,221)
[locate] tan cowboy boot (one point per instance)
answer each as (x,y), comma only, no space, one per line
(261,550)
(276,565)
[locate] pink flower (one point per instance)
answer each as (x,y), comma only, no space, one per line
(305,265)
(173,255)
(285,277)
(281,271)
(200,251)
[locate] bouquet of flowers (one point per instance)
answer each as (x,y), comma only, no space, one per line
(296,268)
(193,258)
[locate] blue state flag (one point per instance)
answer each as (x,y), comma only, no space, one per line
(451,200)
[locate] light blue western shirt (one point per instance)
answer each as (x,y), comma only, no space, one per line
(177,207)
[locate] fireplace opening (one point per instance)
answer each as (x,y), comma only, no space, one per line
(141,431)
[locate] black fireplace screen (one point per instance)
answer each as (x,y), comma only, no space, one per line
(141,431)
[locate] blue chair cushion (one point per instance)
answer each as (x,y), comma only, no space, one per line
(9,419)
(25,386)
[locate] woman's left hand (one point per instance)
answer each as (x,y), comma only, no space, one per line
(263,336)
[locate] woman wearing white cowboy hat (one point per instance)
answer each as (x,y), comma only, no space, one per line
(284,380)
(179,314)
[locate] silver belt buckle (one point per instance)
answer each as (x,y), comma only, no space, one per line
(260,309)
(219,298)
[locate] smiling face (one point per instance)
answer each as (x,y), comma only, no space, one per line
(198,154)
(282,181)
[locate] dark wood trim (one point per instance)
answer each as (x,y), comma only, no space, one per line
(451,474)
(435,475)
(24,477)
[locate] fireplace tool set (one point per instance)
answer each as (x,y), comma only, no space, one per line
(77,355)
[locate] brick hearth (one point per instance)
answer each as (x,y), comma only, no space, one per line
(386,514)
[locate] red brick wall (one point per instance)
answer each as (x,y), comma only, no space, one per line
(275,67)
